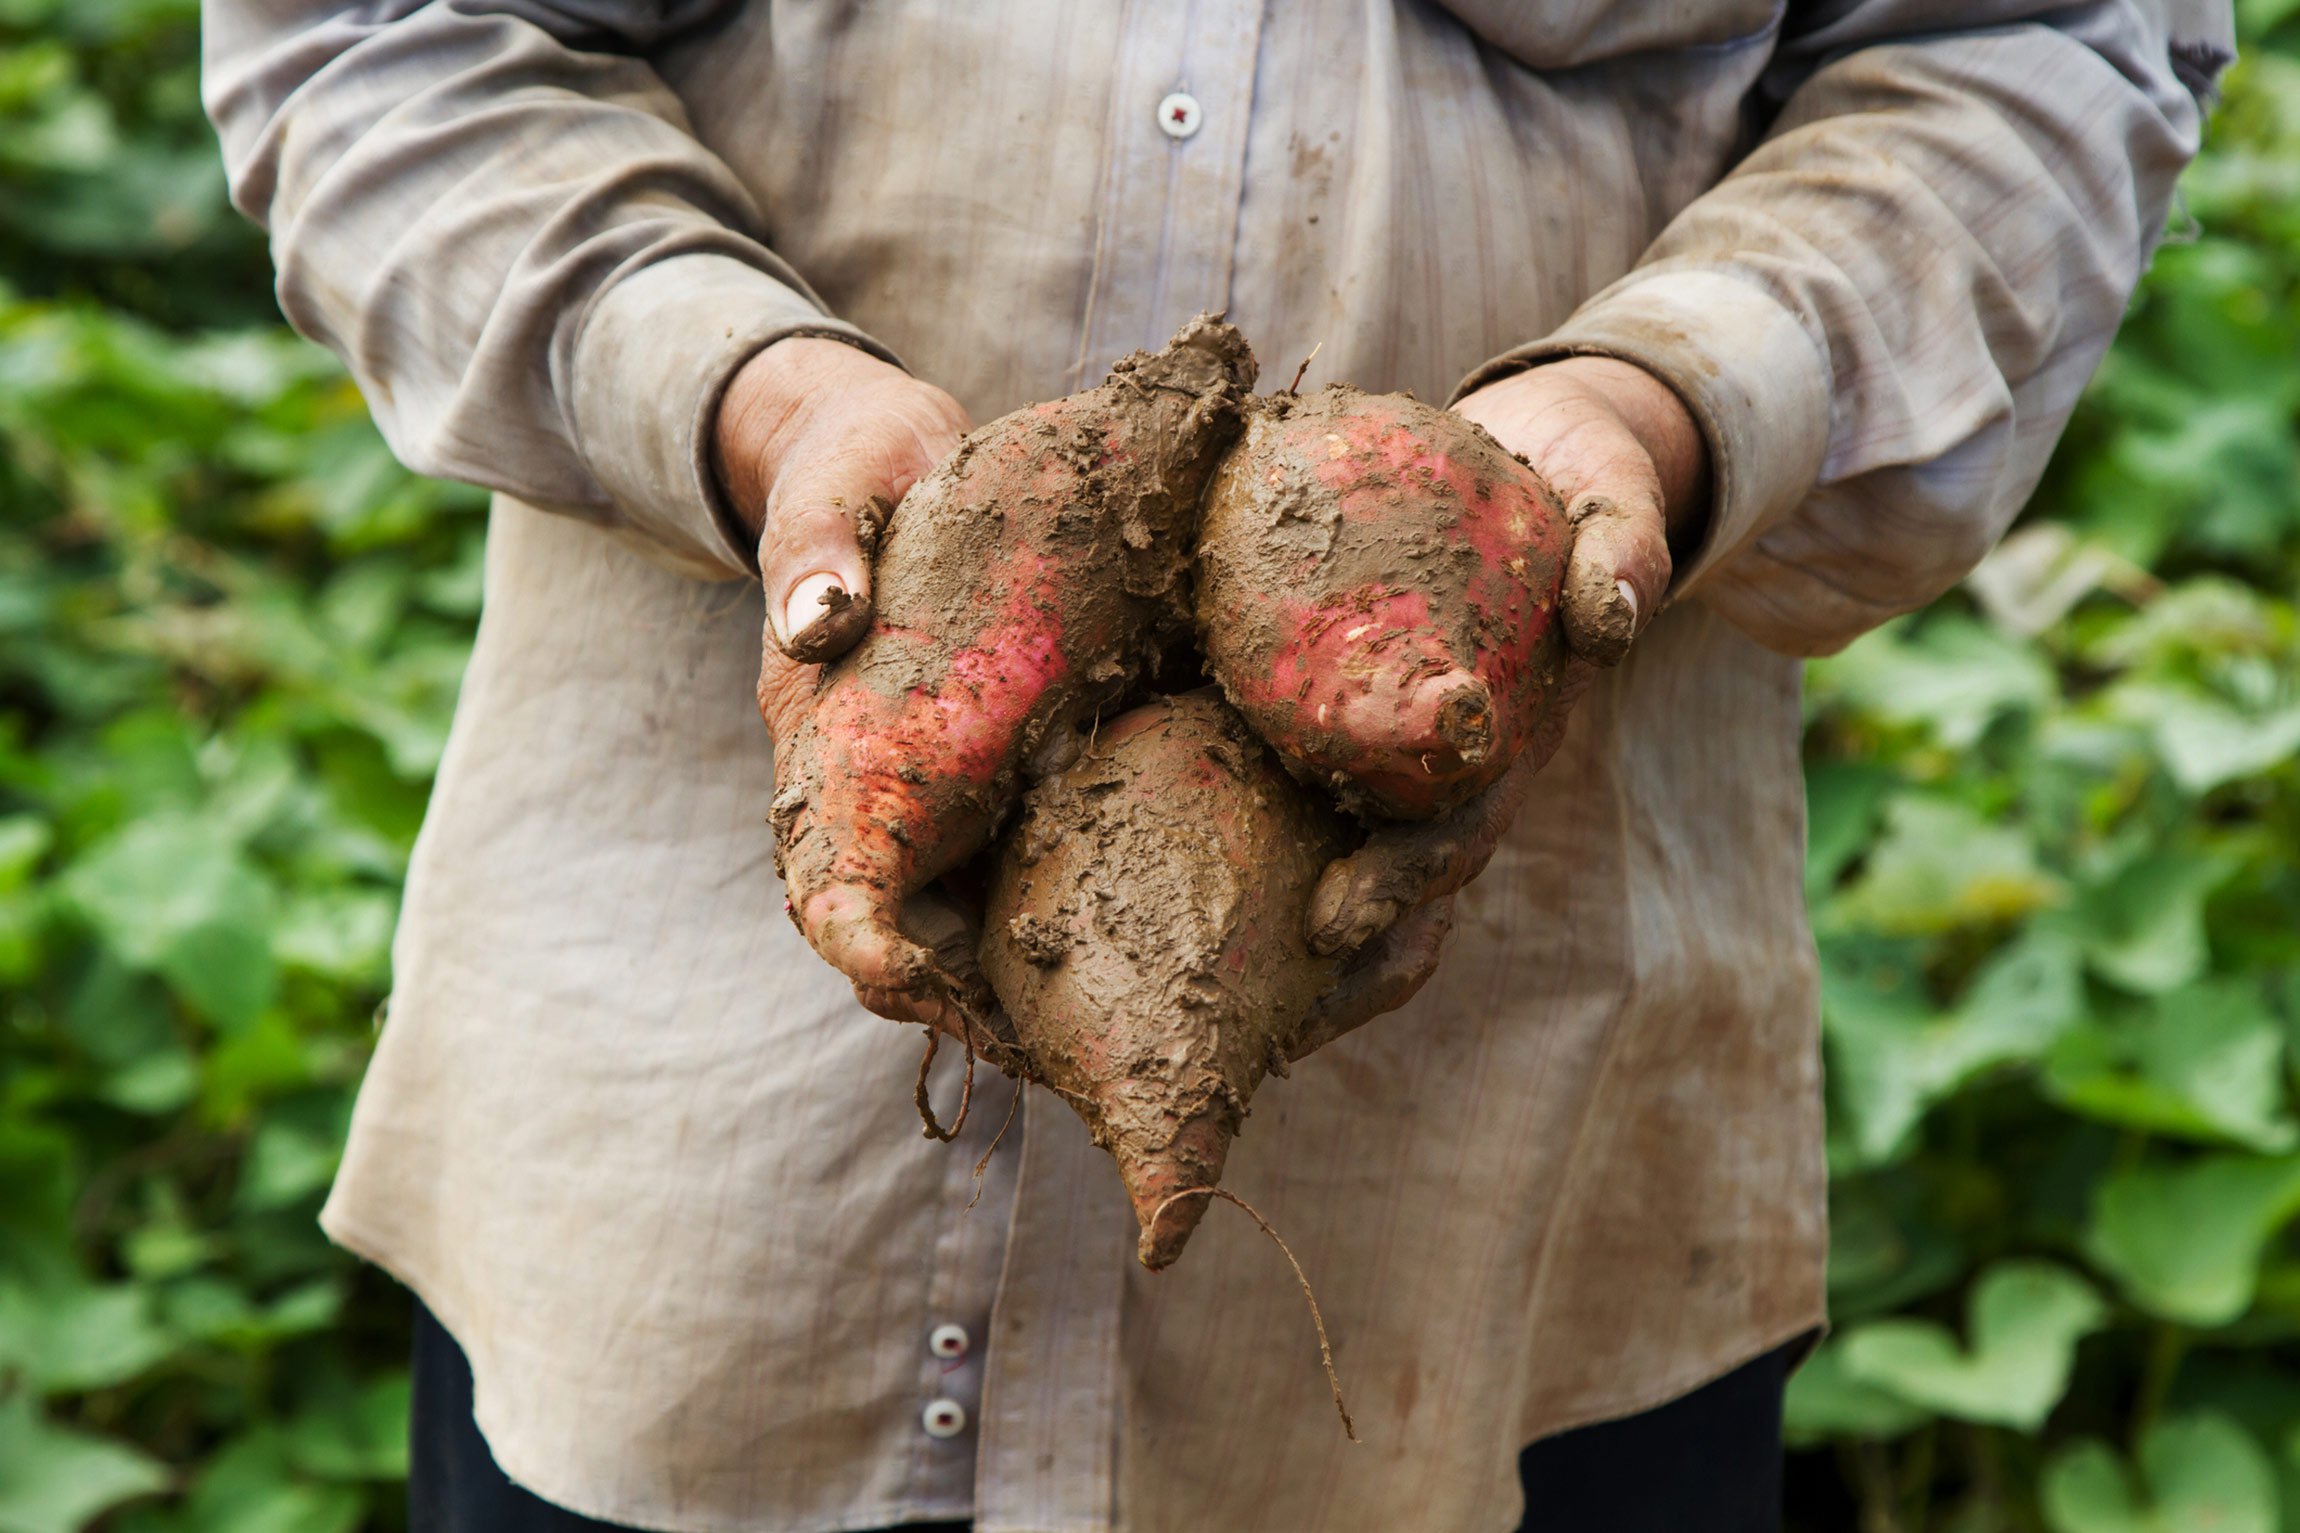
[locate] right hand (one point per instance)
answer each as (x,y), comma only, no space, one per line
(811,437)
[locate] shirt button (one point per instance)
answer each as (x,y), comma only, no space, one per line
(948,1341)
(1179,115)
(944,1418)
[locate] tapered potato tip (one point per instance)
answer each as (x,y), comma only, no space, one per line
(1192,1159)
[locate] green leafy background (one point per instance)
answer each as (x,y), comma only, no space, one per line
(2052,869)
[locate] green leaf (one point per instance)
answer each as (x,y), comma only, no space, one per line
(77,1336)
(1941,866)
(1884,1252)
(2185,1242)
(1824,1401)
(2207,1063)
(1948,673)
(56,1481)
(2207,615)
(1892,1057)
(2204,742)
(2143,925)
(2198,1474)
(285,1164)
(223,969)
(24,840)
(175,895)
(343,933)
(248,1068)
(251,1487)
(1842,802)
(157,1084)
(359,1435)
(2025,1319)
(213,1311)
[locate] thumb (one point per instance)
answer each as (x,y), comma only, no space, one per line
(1618,570)
(813,565)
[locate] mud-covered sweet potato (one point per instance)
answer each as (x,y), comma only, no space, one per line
(1020,588)
(1377,593)
(1145,930)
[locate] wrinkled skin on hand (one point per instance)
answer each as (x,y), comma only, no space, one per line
(813,441)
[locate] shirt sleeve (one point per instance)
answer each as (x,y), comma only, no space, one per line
(1884,315)
(499,218)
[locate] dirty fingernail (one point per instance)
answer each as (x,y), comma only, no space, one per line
(809,600)
(1628,598)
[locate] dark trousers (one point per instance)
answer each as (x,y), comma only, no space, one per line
(1708,1463)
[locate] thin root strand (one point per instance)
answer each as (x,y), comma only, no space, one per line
(982,1165)
(1325,1348)
(1295,388)
(934,1129)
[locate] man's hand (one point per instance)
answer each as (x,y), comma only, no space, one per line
(813,437)
(1628,460)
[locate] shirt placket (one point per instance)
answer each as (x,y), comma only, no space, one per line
(1046,1459)
(970,1247)
(1177,130)
(1051,1397)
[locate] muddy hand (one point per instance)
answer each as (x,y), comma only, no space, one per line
(1626,457)
(953,934)
(1630,464)
(813,442)
(1383,977)
(1406,866)
(935,922)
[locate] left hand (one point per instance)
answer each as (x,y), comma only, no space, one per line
(1627,458)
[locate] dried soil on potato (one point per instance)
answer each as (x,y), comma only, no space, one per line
(1377,592)
(1146,930)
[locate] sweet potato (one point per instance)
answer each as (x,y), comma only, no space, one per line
(1145,929)
(1377,593)
(1020,589)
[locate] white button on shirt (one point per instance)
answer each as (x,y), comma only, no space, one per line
(949,1341)
(944,1418)
(1178,115)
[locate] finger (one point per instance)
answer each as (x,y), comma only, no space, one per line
(960,995)
(935,1010)
(1617,574)
(812,566)
(1389,974)
(1403,867)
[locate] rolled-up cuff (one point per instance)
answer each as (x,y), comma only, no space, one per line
(654,355)
(1754,379)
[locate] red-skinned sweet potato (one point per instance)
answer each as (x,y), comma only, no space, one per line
(1146,931)
(1020,588)
(1377,593)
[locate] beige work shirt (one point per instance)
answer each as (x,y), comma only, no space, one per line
(639,1148)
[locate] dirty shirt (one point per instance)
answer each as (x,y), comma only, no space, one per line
(641,1151)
